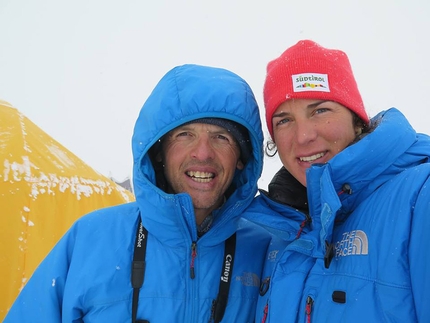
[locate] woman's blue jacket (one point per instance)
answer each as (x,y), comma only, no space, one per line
(365,255)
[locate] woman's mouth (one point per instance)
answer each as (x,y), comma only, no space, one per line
(312,158)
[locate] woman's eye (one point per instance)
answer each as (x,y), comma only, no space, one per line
(321,110)
(282,121)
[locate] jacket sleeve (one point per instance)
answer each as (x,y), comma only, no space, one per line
(419,253)
(41,298)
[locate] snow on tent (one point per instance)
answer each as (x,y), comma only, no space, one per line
(44,188)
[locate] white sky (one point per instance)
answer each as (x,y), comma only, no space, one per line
(82,69)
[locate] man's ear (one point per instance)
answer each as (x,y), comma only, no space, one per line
(240,164)
(159,157)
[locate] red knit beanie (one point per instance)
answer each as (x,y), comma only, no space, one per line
(310,71)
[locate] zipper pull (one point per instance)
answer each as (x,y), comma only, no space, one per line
(265,311)
(302,225)
(264,286)
(309,303)
(193,256)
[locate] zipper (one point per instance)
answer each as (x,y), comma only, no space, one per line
(211,319)
(265,311)
(309,304)
(193,257)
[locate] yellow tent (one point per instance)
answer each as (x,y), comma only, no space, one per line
(44,188)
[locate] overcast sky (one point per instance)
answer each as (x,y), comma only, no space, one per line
(82,69)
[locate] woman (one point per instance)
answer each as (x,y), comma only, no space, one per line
(350,208)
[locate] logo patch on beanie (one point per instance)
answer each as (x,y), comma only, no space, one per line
(310,82)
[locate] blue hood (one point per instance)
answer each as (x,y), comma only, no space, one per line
(184,94)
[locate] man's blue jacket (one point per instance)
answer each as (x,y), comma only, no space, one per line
(86,277)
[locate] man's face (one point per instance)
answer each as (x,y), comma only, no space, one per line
(200,159)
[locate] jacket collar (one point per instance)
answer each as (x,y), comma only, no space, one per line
(285,189)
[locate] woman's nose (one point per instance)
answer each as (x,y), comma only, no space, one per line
(306,132)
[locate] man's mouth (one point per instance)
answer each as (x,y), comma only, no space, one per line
(202,177)
(312,158)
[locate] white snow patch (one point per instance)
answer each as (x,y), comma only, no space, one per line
(52,183)
(61,155)
(24,132)
(53,282)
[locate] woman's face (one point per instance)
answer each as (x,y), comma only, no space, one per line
(311,131)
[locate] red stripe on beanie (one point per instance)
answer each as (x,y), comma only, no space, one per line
(310,71)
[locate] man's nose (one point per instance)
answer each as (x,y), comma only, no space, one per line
(203,149)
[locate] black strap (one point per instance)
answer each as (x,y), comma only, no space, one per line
(138,268)
(138,274)
(226,273)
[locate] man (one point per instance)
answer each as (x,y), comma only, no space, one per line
(180,253)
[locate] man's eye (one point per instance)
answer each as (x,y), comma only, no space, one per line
(222,137)
(182,134)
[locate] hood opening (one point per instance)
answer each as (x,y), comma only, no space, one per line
(160,179)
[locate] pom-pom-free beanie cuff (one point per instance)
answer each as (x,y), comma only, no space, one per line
(310,71)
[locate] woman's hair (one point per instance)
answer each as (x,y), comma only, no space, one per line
(271,149)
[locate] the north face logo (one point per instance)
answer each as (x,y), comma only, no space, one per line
(352,243)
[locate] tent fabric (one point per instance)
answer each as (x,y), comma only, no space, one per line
(44,188)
